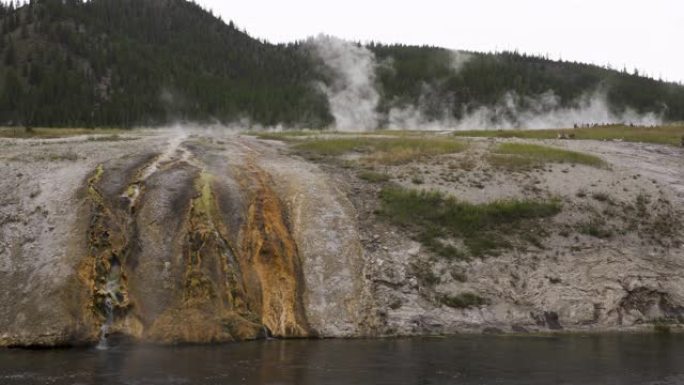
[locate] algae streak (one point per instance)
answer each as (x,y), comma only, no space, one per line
(212,306)
(103,271)
(269,248)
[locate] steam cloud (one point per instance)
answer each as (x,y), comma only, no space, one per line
(459,60)
(545,111)
(354,98)
(540,112)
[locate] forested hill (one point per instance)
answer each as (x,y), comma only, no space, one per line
(476,79)
(127,62)
(150,62)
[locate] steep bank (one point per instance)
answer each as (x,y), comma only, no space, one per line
(168,238)
(171,236)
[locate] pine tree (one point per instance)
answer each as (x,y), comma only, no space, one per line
(11,55)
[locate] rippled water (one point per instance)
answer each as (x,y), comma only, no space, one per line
(605,360)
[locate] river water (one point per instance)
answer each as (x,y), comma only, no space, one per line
(582,360)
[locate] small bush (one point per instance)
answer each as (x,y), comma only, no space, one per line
(463,300)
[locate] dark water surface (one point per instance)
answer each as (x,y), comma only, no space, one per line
(604,360)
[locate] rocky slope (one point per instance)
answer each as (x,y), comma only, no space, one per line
(197,236)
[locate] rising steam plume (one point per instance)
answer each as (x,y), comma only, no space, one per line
(354,97)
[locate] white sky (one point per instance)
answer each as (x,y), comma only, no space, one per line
(645,34)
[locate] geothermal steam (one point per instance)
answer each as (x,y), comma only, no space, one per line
(354,98)
(545,111)
(541,111)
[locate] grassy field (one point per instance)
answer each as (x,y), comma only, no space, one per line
(661,135)
(394,150)
(514,155)
(484,228)
(50,133)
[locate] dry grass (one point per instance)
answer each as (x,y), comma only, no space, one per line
(671,134)
(392,150)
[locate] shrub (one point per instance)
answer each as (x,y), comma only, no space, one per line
(463,300)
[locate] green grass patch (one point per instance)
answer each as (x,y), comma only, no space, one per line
(391,150)
(516,154)
(511,162)
(671,134)
(374,177)
(484,228)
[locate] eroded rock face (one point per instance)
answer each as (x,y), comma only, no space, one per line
(570,281)
(173,238)
(166,267)
(190,241)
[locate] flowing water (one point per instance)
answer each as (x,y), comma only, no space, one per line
(604,360)
(104,329)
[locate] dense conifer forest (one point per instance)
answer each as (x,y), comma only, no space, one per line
(150,62)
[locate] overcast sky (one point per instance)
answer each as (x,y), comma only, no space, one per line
(648,34)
